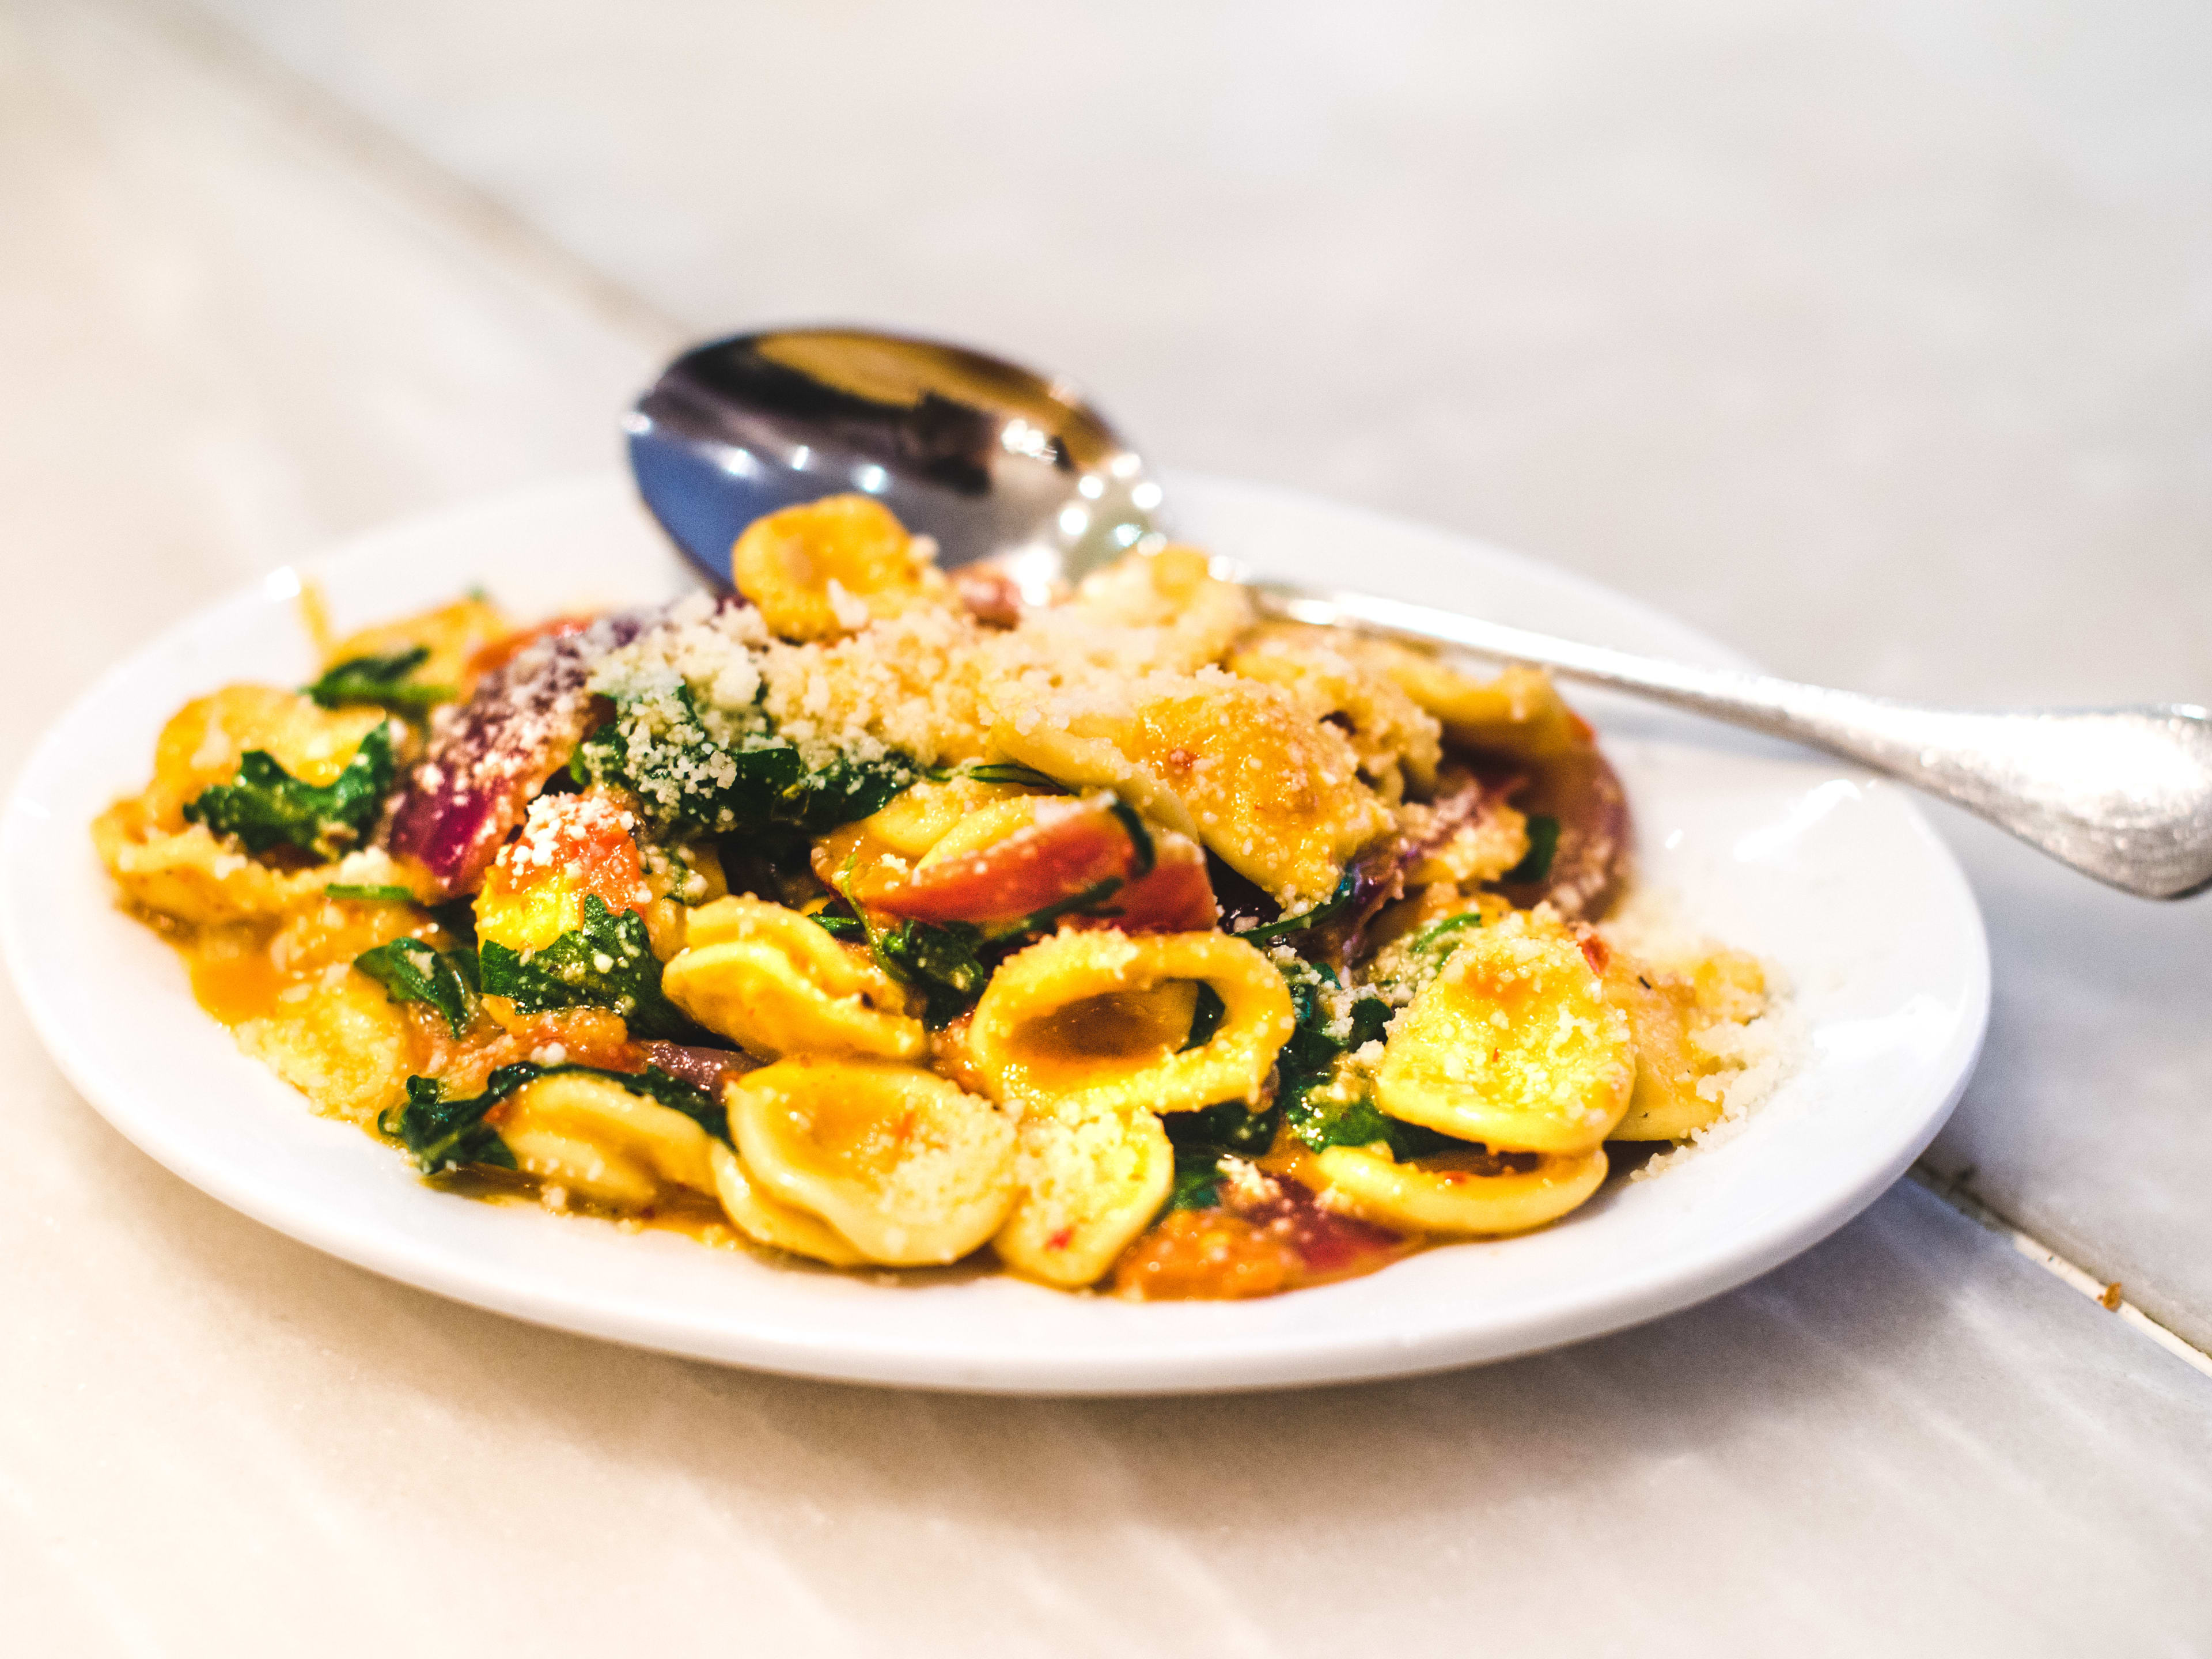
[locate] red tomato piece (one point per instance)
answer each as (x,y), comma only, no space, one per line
(1072,848)
(1176,897)
(570,846)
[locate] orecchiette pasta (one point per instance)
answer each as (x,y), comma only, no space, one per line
(601,1142)
(901,1164)
(831,567)
(1089,1182)
(872,919)
(1512,1044)
(1471,1192)
(775,983)
(1055,1028)
(767,1221)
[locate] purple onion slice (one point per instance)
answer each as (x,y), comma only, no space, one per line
(488,757)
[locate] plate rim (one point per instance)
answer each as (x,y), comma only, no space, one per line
(427,1264)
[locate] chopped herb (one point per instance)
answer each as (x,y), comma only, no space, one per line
(605,963)
(410,971)
(368,893)
(692,781)
(265,806)
(1308,1063)
(1206,1018)
(383,681)
(1543,846)
(849,930)
(1197,1179)
(1140,839)
(938,959)
(1430,949)
(1443,936)
(1328,910)
(1007,773)
(446,1134)
(1090,902)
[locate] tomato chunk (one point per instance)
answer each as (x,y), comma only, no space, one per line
(1072,848)
(1176,897)
(570,846)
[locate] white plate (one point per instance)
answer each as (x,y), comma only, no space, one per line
(1806,861)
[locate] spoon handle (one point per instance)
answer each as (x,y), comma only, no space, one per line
(2122,794)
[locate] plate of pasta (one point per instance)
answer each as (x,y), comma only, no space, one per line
(863,974)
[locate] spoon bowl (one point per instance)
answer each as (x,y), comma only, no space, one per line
(991,458)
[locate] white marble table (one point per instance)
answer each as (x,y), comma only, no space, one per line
(1875,342)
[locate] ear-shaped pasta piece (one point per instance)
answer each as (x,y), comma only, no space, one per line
(1396,740)
(907,1167)
(1089,1186)
(1665,1104)
(598,1139)
(1681,1026)
(991,822)
(831,566)
(1520,713)
(1513,1044)
(1043,1033)
(1458,1193)
(190,875)
(765,1221)
(775,983)
(917,820)
(342,1043)
(1280,801)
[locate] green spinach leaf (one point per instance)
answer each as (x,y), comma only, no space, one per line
(384,681)
(264,806)
(1197,1179)
(1206,1018)
(448,1134)
(939,959)
(368,893)
(1307,1062)
(410,971)
(685,780)
(1543,847)
(607,961)
(1009,773)
(1328,910)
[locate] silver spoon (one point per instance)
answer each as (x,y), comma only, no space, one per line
(1001,464)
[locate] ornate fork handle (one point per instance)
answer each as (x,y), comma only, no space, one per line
(2123,794)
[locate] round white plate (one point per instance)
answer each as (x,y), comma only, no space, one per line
(1807,862)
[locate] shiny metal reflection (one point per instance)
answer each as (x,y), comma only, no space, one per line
(994,460)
